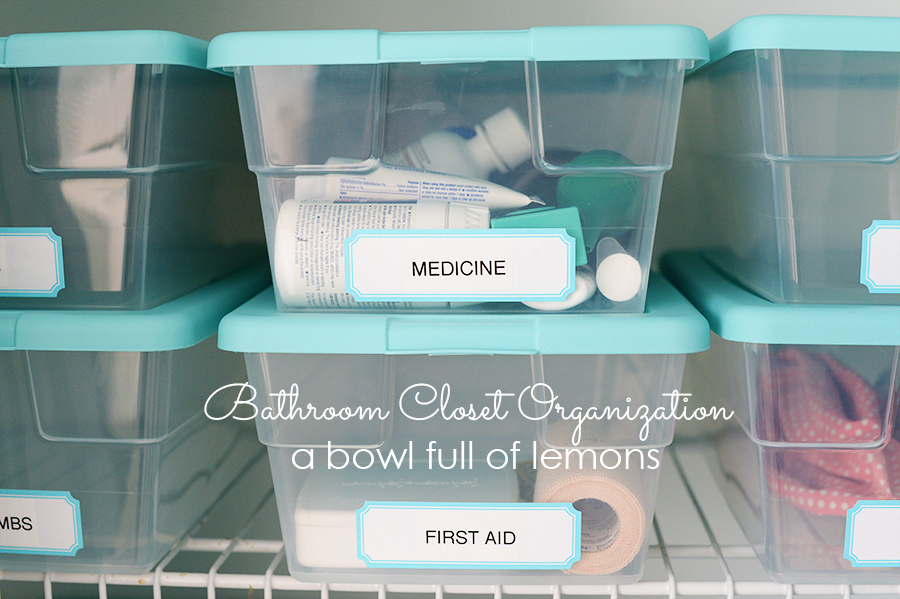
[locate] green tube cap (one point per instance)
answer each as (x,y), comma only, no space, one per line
(606,200)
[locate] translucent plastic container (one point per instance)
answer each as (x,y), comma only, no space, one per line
(789,145)
(817,462)
(106,456)
(456,417)
(582,118)
(122,176)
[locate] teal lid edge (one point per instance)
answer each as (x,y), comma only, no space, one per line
(736,314)
(808,32)
(8,322)
(284,48)
(93,48)
(180,323)
(670,325)
(607,42)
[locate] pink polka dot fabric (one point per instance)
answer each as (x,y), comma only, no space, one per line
(822,401)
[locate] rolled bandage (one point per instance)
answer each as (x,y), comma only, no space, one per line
(613,520)
(619,275)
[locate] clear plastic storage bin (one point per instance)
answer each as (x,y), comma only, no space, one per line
(437,448)
(122,177)
(106,456)
(814,476)
(496,123)
(788,146)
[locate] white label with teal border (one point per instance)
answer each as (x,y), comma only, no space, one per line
(518,536)
(872,538)
(881,257)
(31,262)
(40,522)
(460,265)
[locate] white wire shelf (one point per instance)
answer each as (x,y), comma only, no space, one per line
(697,550)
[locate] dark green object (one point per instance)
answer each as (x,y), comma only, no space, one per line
(547,218)
(605,200)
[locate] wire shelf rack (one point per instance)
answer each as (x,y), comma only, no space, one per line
(697,550)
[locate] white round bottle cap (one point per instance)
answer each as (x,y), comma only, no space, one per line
(434,214)
(584,290)
(460,216)
(619,275)
(508,137)
(310,187)
(429,214)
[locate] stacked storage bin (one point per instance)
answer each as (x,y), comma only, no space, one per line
(815,389)
(106,456)
(790,146)
(581,119)
(444,444)
(403,445)
(121,171)
(115,270)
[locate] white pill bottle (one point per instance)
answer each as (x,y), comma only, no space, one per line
(308,253)
(500,143)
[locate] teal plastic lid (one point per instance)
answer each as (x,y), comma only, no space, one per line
(88,48)
(736,314)
(806,32)
(669,325)
(619,42)
(181,323)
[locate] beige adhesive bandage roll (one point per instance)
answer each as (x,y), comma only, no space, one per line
(612,513)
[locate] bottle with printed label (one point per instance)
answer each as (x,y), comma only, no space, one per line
(308,256)
(500,143)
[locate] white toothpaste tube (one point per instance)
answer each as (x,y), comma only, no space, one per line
(393,184)
(584,290)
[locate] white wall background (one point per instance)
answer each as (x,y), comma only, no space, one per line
(208,18)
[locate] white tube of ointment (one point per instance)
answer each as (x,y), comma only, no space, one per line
(388,183)
(619,275)
(308,253)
